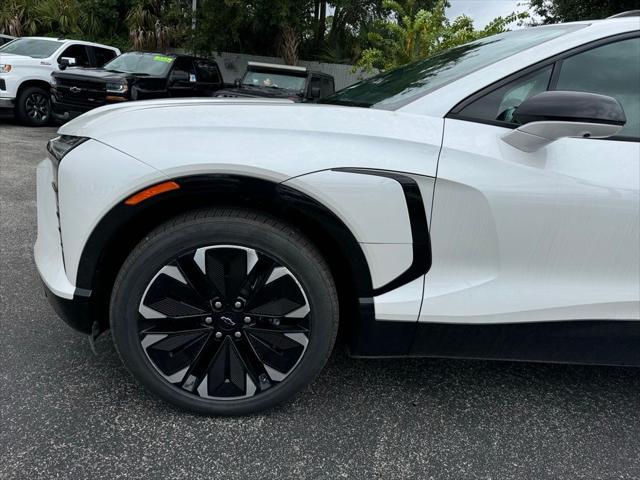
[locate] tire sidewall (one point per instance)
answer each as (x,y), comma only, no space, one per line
(159,250)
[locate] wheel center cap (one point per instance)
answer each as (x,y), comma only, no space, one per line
(228,321)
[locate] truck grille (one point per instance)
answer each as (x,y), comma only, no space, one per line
(82,93)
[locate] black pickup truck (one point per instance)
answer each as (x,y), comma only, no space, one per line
(132,76)
(281,81)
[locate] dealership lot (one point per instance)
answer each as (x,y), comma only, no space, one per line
(68,414)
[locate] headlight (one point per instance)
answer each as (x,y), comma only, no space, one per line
(58,147)
(5,68)
(116,87)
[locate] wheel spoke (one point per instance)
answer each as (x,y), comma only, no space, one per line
(278,297)
(170,326)
(225,267)
(172,354)
(256,278)
(196,277)
(227,376)
(278,349)
(170,295)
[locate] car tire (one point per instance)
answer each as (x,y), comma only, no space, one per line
(33,107)
(224,311)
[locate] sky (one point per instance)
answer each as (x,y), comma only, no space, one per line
(483,11)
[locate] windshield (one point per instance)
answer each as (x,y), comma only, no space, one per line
(31,47)
(274,80)
(396,88)
(141,63)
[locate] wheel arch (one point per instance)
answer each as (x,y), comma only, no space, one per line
(124,226)
(33,83)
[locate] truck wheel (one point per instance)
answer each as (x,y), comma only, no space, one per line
(33,107)
(224,312)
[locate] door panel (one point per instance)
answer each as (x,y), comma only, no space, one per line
(538,236)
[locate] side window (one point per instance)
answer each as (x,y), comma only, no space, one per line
(184,64)
(500,104)
(79,52)
(103,55)
(207,72)
(612,70)
(326,87)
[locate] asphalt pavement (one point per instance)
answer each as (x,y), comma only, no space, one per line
(65,413)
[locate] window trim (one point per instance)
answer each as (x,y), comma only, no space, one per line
(556,62)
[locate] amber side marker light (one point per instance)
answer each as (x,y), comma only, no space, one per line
(151,192)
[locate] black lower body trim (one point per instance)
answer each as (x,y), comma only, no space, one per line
(610,342)
(593,342)
(74,312)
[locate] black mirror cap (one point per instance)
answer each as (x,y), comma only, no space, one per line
(315,92)
(564,106)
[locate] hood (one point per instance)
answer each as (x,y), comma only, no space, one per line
(275,139)
(14,59)
(77,73)
(96,121)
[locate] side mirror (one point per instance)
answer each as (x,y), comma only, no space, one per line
(315,92)
(179,76)
(549,116)
(66,62)
(237,83)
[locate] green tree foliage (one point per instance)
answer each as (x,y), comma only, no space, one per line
(412,33)
(556,11)
(17,17)
(380,33)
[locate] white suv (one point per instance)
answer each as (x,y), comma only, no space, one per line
(482,203)
(26,65)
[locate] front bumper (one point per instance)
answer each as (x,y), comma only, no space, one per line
(63,112)
(71,303)
(75,312)
(7,102)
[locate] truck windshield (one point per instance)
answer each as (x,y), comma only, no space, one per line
(396,88)
(275,80)
(31,47)
(141,63)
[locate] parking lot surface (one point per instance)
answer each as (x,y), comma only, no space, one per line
(68,414)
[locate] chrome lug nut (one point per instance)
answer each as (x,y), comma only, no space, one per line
(237,334)
(218,334)
(238,304)
(208,320)
(247,319)
(217,305)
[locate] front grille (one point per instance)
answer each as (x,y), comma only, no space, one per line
(81,93)
(3,86)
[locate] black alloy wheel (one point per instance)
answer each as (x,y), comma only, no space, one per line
(33,106)
(225,324)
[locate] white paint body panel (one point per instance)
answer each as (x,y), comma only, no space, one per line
(547,235)
(516,237)
(92,179)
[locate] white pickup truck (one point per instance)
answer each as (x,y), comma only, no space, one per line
(26,65)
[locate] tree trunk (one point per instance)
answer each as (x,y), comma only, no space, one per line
(289,43)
